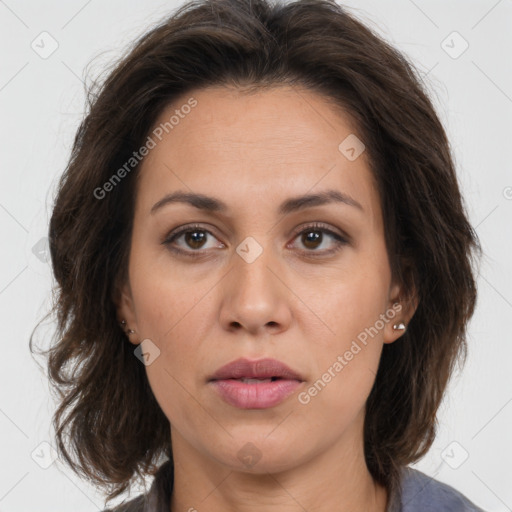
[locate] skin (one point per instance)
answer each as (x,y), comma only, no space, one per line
(253,152)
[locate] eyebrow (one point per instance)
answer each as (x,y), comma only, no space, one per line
(293,204)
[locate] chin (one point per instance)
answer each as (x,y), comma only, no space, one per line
(260,455)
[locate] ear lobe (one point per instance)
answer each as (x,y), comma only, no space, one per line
(401,309)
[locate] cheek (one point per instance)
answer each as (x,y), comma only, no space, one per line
(175,313)
(353,307)
(172,323)
(348,300)
(347,361)
(164,296)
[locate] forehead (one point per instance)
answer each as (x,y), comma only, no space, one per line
(276,142)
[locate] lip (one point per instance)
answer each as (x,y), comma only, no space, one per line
(255,395)
(259,369)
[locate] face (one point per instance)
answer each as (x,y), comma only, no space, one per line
(305,282)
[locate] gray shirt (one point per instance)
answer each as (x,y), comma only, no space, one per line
(420,493)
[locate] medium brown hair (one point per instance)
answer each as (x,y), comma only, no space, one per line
(109,427)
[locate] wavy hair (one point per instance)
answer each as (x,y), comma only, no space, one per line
(108,424)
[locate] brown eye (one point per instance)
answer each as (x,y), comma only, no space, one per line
(190,241)
(317,235)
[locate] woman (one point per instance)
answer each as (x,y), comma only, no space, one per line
(257,244)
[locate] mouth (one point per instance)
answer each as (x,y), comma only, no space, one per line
(259,384)
(262,369)
(257,381)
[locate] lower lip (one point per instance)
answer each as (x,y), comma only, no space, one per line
(255,396)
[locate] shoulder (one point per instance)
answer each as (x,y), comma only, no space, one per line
(421,493)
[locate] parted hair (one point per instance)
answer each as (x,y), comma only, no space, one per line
(108,425)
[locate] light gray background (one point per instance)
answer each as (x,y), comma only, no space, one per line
(42,101)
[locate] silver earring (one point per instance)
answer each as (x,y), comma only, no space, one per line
(399,327)
(129,331)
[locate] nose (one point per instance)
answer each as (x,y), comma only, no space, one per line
(255,297)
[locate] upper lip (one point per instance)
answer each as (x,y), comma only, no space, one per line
(259,369)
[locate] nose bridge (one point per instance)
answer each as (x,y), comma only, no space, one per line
(253,296)
(252,265)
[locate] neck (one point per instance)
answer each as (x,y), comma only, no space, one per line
(336,479)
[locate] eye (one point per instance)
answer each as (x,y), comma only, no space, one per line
(194,237)
(313,236)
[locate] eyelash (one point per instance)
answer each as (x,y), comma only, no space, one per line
(315,226)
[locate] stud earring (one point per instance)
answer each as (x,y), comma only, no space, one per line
(399,327)
(128,331)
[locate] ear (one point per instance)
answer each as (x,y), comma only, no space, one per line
(125,309)
(403,303)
